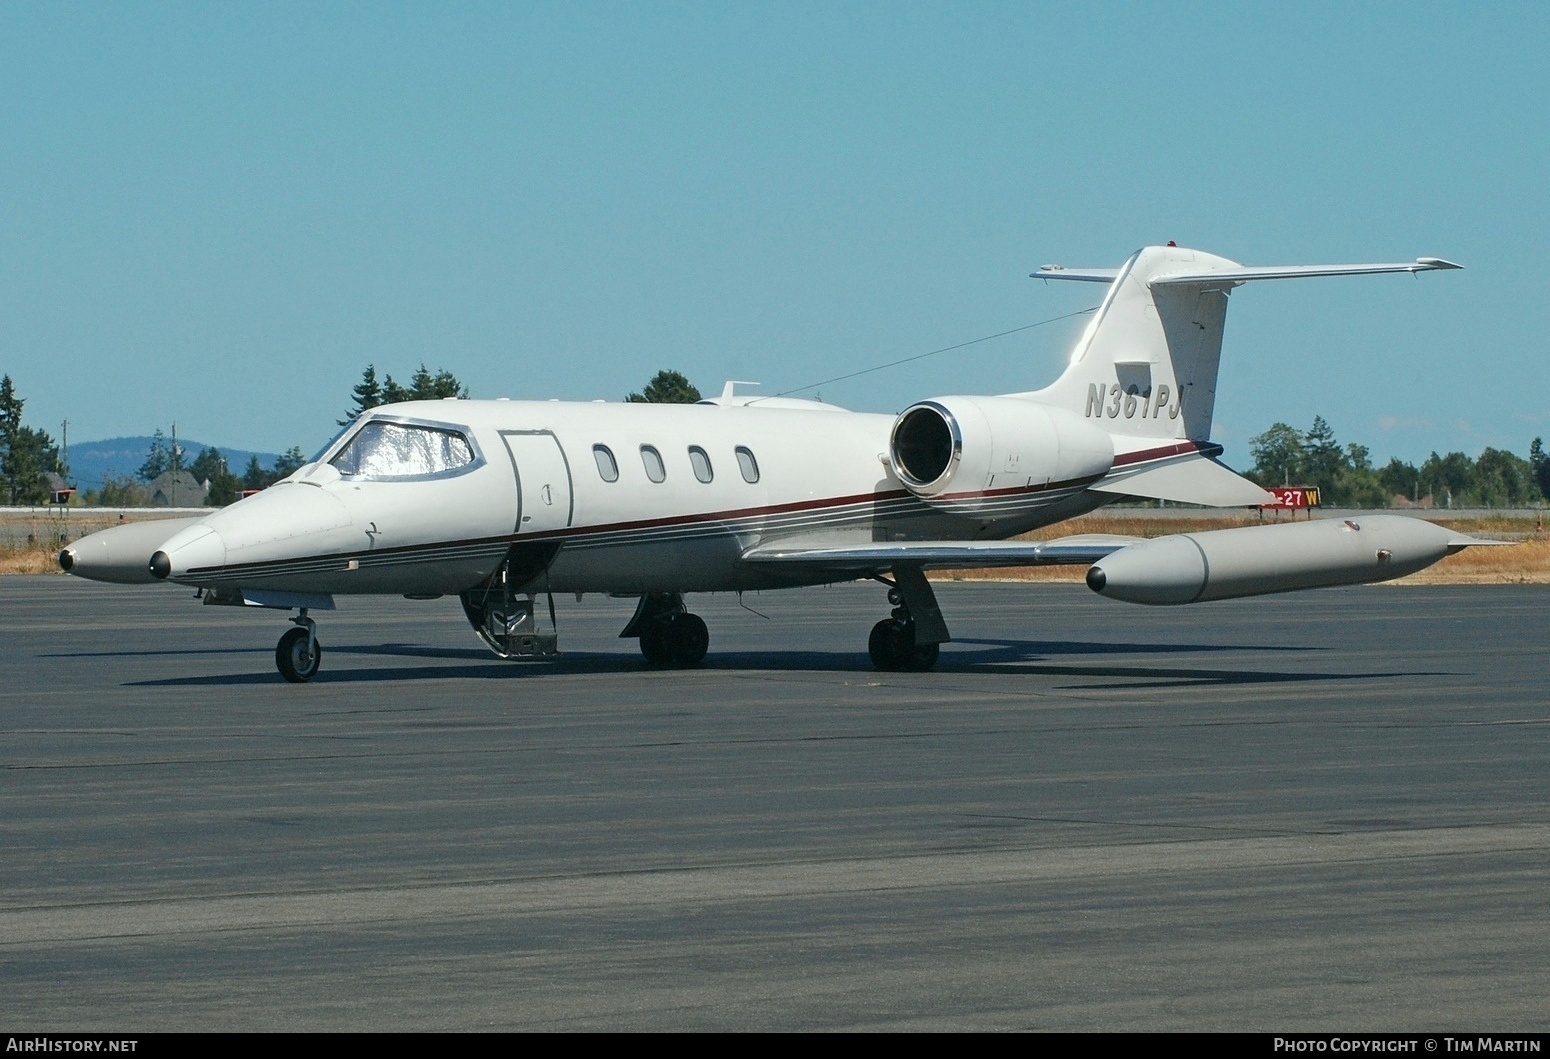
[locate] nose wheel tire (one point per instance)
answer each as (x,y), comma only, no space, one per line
(893,648)
(297,656)
(678,640)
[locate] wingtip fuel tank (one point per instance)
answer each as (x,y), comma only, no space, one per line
(1257,560)
(121,554)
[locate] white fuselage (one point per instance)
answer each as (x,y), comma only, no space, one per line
(536,488)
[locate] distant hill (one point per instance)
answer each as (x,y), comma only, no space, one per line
(92,461)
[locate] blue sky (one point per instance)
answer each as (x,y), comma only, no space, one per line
(218,214)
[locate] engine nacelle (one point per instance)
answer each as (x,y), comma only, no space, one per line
(951,445)
(1255,560)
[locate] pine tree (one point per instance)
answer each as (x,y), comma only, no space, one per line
(667,387)
(423,386)
(210,466)
(368,394)
(291,459)
(13,457)
(158,462)
(10,408)
(392,393)
(1323,454)
(1540,465)
(255,477)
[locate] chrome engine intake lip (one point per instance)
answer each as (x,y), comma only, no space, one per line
(926,446)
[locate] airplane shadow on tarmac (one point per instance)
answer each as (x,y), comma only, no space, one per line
(963,658)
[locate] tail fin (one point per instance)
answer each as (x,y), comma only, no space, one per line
(1146,365)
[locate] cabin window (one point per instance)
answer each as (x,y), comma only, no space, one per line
(747,464)
(653,461)
(383,449)
(607,468)
(701,463)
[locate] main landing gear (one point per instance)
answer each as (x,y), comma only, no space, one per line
(912,637)
(670,637)
(298,653)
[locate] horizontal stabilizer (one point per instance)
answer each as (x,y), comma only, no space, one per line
(1079,275)
(883,555)
(1192,480)
(1244,274)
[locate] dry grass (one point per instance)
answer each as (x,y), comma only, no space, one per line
(1524,563)
(33,559)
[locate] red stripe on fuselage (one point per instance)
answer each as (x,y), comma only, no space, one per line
(571,532)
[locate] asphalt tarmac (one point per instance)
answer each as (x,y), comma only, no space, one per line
(1326,811)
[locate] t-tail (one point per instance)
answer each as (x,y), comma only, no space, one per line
(1145,368)
(1146,365)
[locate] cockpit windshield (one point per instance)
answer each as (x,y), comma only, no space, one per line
(403,450)
(341,432)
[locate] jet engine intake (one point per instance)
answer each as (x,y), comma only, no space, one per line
(926,446)
(954,445)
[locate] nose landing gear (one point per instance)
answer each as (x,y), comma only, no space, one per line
(298,653)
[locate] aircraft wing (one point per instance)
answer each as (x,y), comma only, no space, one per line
(1081,549)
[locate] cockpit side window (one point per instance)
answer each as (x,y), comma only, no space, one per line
(403,450)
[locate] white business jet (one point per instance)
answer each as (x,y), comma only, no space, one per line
(503,503)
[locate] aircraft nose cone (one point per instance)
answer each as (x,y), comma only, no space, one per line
(1096,579)
(66,560)
(161,566)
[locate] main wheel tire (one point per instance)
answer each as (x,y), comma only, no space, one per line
(890,644)
(653,644)
(296,662)
(892,647)
(688,638)
(679,640)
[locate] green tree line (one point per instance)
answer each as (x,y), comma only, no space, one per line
(665,387)
(1346,477)
(424,385)
(226,486)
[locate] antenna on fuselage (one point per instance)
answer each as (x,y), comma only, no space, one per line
(727,391)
